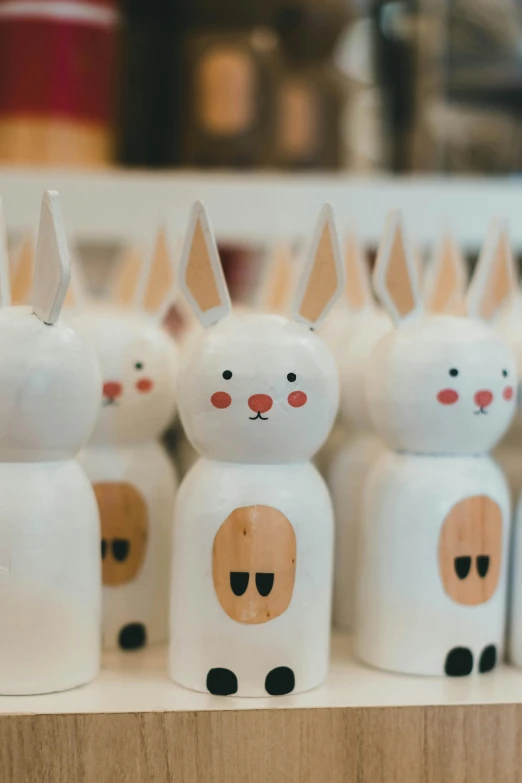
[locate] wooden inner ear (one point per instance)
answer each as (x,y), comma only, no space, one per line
(322,283)
(446,281)
(499,284)
(199,277)
(357,288)
(161,277)
(398,278)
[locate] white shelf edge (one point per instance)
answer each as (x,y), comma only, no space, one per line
(123,205)
(138,682)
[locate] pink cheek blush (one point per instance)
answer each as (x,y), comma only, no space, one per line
(221,400)
(447,397)
(508,393)
(297,399)
(145,385)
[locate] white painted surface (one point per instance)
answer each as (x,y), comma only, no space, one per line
(50,586)
(405,619)
(144,599)
(133,350)
(126,205)
(254,470)
(138,682)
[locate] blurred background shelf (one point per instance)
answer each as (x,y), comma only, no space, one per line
(363,726)
(117,205)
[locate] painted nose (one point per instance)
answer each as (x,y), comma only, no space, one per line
(483,398)
(260,403)
(112,389)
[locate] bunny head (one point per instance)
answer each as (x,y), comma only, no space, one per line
(438,383)
(50,390)
(365,325)
(137,356)
(258,388)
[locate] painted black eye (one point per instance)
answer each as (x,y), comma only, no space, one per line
(291,377)
(138,366)
(505,373)
(453,372)
(227,375)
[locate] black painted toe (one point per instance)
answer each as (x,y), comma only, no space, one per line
(132,636)
(280,681)
(488,659)
(459,662)
(221,682)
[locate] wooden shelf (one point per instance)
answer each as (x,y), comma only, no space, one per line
(118,205)
(363,726)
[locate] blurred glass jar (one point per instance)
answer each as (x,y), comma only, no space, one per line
(229,72)
(57,81)
(312,91)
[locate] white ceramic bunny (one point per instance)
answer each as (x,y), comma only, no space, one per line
(50,584)
(434,539)
(253,534)
(133,478)
(352,462)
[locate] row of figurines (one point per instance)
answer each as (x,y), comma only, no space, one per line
(241,583)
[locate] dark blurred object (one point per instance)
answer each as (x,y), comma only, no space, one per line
(311,92)
(469,86)
(57,81)
(149,105)
(395,59)
(229,69)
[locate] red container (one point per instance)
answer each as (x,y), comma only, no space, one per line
(57,80)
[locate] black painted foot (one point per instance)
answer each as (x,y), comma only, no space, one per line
(459,662)
(280,681)
(488,659)
(132,636)
(221,682)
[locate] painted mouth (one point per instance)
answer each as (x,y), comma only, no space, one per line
(109,401)
(258,416)
(481,410)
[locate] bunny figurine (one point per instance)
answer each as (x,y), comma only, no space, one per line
(133,478)
(351,465)
(50,581)
(435,531)
(253,533)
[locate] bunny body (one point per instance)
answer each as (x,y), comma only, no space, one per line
(412,612)
(204,637)
(434,539)
(253,534)
(134,480)
(50,587)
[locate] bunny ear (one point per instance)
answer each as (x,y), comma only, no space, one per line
(128,275)
(395,278)
(52,269)
(159,275)
(447,287)
(279,279)
(23,270)
(494,280)
(358,289)
(323,277)
(201,274)
(5,290)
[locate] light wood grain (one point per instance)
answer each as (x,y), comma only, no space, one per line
(473,744)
